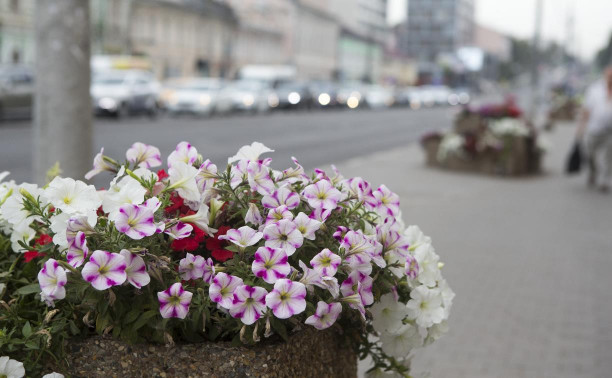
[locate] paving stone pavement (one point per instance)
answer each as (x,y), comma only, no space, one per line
(530,260)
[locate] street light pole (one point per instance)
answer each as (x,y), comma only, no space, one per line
(62,110)
(535,60)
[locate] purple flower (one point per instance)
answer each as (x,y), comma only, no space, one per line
(388,202)
(191,267)
(283,234)
(104,270)
(135,270)
(282,196)
(326,263)
(411,267)
(325,315)
(307,226)
(136,221)
(222,288)
(52,279)
(184,153)
(243,237)
(259,178)
(248,304)
(209,270)
(270,264)
(278,214)
(99,165)
(207,175)
(179,231)
(287,299)
(174,302)
(361,189)
(320,214)
(358,283)
(322,194)
(78,251)
(144,155)
(253,215)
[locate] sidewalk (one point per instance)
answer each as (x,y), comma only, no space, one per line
(530,260)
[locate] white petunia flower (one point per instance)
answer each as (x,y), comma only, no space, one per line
(22,233)
(429,272)
(425,306)
(11,368)
(388,314)
(72,196)
(183,180)
(400,343)
(251,152)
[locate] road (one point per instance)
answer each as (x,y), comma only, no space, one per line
(315,138)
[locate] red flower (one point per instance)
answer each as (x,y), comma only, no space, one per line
(213,244)
(31,255)
(190,243)
(177,203)
(222,255)
(44,239)
(161,174)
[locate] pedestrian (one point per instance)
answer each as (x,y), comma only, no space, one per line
(595,130)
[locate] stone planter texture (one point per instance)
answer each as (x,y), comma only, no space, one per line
(308,353)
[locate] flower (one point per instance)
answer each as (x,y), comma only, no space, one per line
(361,189)
(182,177)
(281,196)
(415,237)
(411,267)
(253,215)
(179,231)
(53,375)
(248,304)
(307,226)
(99,165)
(277,214)
(270,264)
(137,221)
(283,234)
(326,263)
(388,314)
(191,267)
(126,191)
(22,233)
(322,194)
(135,270)
(259,178)
(72,196)
(174,301)
(209,270)
(144,155)
(358,283)
(52,279)
(104,270)
(399,343)
(425,306)
(251,152)
(427,259)
(199,219)
(325,315)
(243,237)
(388,202)
(222,288)
(78,251)
(184,153)
(287,299)
(11,368)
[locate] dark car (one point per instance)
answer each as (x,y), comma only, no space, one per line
(16,92)
(291,95)
(324,94)
(120,93)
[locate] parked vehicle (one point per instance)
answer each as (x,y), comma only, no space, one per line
(351,95)
(195,96)
(291,95)
(324,93)
(16,92)
(244,95)
(378,97)
(124,92)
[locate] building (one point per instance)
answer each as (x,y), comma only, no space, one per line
(363,35)
(179,37)
(16,31)
(437,27)
(497,49)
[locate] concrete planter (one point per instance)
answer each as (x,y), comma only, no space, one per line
(308,353)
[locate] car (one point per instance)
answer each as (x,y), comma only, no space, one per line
(291,95)
(350,95)
(124,92)
(324,93)
(378,97)
(16,92)
(244,95)
(193,95)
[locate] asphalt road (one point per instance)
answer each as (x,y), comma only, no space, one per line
(316,138)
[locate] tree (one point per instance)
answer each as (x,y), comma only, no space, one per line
(604,56)
(62,110)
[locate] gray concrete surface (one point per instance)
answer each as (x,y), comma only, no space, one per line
(530,260)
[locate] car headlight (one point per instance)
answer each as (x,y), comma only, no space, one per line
(204,100)
(273,100)
(324,99)
(248,100)
(453,99)
(294,98)
(107,103)
(352,102)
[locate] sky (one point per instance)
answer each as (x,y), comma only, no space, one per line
(592,20)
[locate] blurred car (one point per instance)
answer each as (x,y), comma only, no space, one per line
(244,95)
(123,92)
(460,96)
(351,95)
(195,96)
(16,91)
(291,95)
(324,93)
(378,97)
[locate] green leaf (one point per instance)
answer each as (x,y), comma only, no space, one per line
(73,328)
(32,344)
(144,318)
(279,327)
(102,321)
(26,331)
(28,289)
(131,316)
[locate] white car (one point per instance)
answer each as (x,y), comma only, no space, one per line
(123,92)
(196,96)
(245,95)
(379,97)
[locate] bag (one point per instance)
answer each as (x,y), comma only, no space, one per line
(574,160)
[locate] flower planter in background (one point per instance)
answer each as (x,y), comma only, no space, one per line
(307,353)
